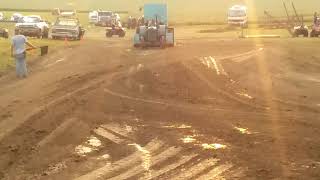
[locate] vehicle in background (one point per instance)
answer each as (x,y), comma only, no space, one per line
(67,13)
(237,15)
(1,16)
(56,12)
(116,17)
(69,28)
(132,23)
(155,31)
(105,18)
(4,33)
(16,17)
(64,13)
(296,22)
(93,17)
(315,32)
(32,26)
(116,30)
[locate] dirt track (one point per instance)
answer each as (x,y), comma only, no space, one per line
(216,108)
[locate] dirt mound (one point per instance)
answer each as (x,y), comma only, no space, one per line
(171,82)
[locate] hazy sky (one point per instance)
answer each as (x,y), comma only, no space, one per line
(191,9)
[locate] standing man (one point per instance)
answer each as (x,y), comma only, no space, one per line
(18,51)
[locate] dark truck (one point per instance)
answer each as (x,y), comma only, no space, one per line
(4,33)
(69,28)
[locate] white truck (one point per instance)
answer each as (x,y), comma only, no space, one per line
(237,15)
(105,18)
(93,17)
(33,26)
(1,16)
(16,17)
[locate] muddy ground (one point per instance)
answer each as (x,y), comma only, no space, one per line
(209,108)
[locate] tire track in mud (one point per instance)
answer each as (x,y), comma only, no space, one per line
(157,173)
(180,166)
(107,171)
(57,131)
(163,156)
(9,127)
(220,91)
(195,169)
(177,105)
(238,58)
(242,56)
(216,172)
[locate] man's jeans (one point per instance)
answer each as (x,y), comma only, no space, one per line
(21,67)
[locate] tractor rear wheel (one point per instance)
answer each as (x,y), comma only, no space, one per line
(312,34)
(122,34)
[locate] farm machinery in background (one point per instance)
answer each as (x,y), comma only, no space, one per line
(293,23)
(315,32)
(296,23)
(155,31)
(115,30)
(271,22)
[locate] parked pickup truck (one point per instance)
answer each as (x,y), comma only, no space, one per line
(69,28)
(33,26)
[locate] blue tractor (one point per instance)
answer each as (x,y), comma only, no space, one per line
(154,31)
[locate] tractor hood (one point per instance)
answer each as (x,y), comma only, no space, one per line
(65,27)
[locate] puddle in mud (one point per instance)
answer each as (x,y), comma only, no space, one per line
(93,141)
(214,146)
(128,128)
(83,150)
(91,145)
(245,95)
(188,139)
(52,169)
(146,156)
(104,157)
(242,130)
(182,126)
